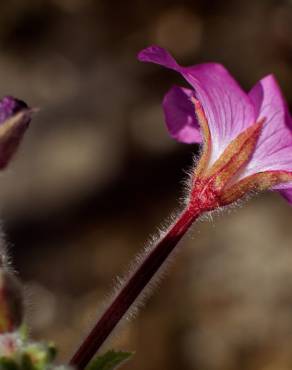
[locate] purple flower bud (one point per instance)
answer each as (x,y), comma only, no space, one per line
(15,117)
(10,106)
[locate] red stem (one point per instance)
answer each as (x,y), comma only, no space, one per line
(132,288)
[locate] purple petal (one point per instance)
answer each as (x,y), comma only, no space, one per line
(274,147)
(285,189)
(287,194)
(158,55)
(180,118)
(227,108)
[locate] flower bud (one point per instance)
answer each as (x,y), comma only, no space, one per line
(11,303)
(10,106)
(14,120)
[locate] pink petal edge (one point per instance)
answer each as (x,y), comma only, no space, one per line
(274,147)
(227,107)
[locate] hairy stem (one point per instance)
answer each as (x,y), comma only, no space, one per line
(133,287)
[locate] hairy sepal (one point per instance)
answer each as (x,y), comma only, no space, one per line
(203,122)
(258,182)
(235,156)
(209,184)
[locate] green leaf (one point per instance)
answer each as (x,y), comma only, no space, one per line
(39,355)
(51,352)
(109,361)
(26,362)
(7,363)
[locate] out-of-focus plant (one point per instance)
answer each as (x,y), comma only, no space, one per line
(17,351)
(246,147)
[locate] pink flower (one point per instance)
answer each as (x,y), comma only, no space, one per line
(247,136)
(247,146)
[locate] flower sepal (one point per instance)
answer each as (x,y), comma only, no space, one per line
(220,183)
(253,184)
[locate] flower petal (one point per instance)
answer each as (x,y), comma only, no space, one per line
(227,108)
(158,55)
(180,118)
(287,194)
(274,148)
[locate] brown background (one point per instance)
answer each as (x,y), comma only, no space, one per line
(97,174)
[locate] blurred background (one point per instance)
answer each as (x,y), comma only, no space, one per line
(97,174)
